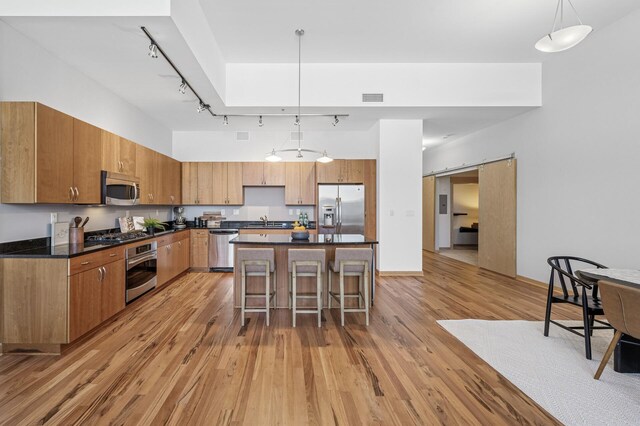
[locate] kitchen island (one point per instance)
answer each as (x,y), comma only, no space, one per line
(281,244)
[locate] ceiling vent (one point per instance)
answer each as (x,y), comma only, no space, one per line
(372,97)
(295,135)
(242,136)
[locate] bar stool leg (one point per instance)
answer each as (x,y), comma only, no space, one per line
(267,285)
(319,293)
(329,274)
(360,291)
(243,292)
(275,288)
(366,294)
(342,295)
(294,287)
(289,280)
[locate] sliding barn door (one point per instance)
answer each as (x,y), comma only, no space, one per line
(497,223)
(429,213)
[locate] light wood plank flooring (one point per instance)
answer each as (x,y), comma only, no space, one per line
(464,254)
(179,356)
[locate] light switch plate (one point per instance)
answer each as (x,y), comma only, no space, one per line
(236,212)
(223,212)
(298,212)
(290,212)
(60,233)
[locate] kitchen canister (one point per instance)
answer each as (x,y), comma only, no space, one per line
(76,235)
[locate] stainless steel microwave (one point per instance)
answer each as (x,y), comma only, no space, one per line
(119,189)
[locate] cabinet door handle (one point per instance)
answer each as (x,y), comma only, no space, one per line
(86,262)
(100,274)
(70,194)
(77,193)
(113,255)
(104,272)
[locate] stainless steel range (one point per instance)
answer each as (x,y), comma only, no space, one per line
(142,269)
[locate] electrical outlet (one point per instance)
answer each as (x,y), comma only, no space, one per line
(157,213)
(127,213)
(298,212)
(290,212)
(236,212)
(223,212)
(54,217)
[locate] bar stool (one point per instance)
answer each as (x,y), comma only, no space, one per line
(306,263)
(351,262)
(257,263)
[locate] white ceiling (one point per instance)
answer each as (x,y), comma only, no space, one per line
(113,50)
(394,30)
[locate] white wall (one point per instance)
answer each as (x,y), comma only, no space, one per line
(404,85)
(578,155)
(443,221)
(30,73)
(400,195)
(222,146)
(257,202)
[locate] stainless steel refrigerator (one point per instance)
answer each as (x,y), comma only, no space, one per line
(340,209)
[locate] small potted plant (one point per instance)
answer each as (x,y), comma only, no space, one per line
(151,224)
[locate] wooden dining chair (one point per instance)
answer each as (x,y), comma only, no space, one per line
(620,304)
(577,292)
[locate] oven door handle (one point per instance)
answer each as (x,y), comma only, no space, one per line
(133,262)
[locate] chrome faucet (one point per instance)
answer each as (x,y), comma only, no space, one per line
(264,220)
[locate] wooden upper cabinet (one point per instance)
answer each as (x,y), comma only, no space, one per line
(87,162)
(145,170)
(341,171)
(300,183)
(263,174)
(118,154)
(18,152)
(370,199)
(206,189)
(235,192)
(189,183)
(167,181)
(253,174)
(274,174)
(175,194)
(54,156)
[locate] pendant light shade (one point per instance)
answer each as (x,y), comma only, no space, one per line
(566,37)
(563,39)
(273,157)
(325,158)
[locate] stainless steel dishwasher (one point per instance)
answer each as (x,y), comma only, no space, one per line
(220,251)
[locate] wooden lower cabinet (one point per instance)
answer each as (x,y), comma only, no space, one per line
(94,296)
(199,248)
(173,259)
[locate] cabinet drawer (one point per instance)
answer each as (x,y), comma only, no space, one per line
(93,260)
(172,238)
(199,233)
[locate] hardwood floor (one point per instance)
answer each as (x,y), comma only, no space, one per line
(179,356)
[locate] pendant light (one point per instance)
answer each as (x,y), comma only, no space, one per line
(566,37)
(273,156)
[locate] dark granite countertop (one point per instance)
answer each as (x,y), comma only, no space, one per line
(249,224)
(42,248)
(322,239)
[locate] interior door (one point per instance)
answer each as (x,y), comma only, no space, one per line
(429,213)
(497,217)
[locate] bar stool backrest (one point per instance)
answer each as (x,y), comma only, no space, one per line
(256,255)
(306,255)
(353,255)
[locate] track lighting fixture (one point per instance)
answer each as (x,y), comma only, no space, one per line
(225,121)
(335,120)
(153,50)
(260,123)
(297,122)
(183,87)
(202,107)
(325,158)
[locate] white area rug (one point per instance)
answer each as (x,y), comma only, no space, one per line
(553,371)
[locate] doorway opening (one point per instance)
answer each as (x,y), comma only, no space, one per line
(458,216)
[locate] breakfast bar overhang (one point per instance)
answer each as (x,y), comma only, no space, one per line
(282,243)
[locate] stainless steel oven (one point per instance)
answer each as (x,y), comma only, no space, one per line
(142,269)
(119,189)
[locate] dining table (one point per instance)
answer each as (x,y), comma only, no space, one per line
(626,357)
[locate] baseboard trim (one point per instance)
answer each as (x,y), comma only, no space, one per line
(30,349)
(401,273)
(531,281)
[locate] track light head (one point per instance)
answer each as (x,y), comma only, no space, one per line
(202,107)
(260,123)
(153,50)
(183,87)
(297,122)
(225,120)
(335,120)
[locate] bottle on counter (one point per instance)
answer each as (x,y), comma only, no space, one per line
(306,220)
